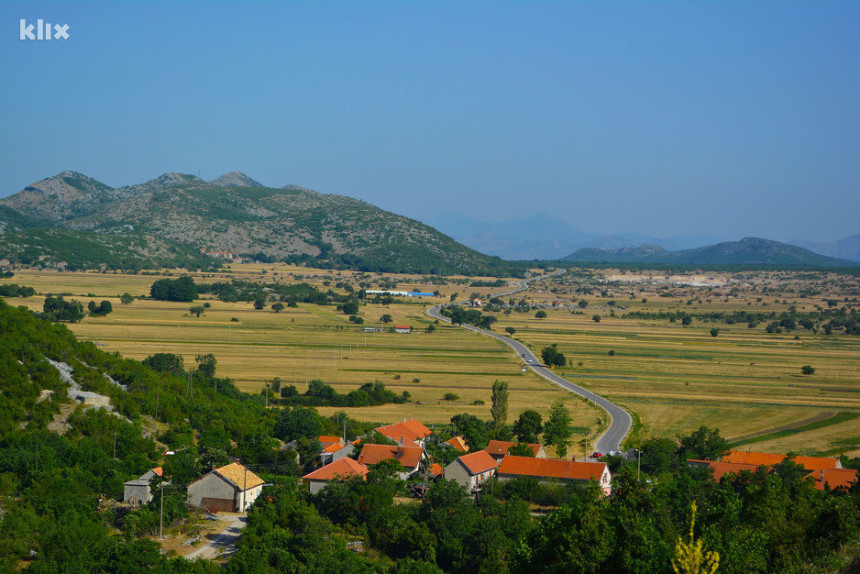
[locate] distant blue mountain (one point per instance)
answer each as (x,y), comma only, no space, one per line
(543,236)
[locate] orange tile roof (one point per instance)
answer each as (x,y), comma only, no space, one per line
(768,459)
(501,447)
(436,469)
(334,447)
(407,431)
(342,468)
(835,478)
(720,469)
(409,456)
(158,470)
(458,443)
(325,439)
(237,474)
(402,327)
(478,462)
(551,468)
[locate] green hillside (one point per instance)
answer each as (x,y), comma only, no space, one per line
(290,224)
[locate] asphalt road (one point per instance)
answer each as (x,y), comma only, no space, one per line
(620,419)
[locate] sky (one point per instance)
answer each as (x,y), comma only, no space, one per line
(665,118)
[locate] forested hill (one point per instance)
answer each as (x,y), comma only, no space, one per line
(233,213)
(747,251)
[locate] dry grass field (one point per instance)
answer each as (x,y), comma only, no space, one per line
(313,342)
(745,381)
(674,378)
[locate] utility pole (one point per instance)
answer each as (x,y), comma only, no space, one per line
(244,489)
(267,395)
(161,515)
(114,445)
(638,462)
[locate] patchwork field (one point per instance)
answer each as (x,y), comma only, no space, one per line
(673,377)
(745,381)
(313,342)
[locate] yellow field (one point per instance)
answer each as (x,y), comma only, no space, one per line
(314,342)
(674,378)
(744,381)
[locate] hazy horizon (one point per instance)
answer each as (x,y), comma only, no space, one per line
(729,119)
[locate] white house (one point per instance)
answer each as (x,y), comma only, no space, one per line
(472,470)
(231,488)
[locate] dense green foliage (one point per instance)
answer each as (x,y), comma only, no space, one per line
(319,394)
(127,251)
(182,289)
(15,290)
(58,309)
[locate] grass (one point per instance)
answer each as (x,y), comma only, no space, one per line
(673,378)
(828,421)
(312,342)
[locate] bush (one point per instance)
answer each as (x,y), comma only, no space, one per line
(807,370)
(451,396)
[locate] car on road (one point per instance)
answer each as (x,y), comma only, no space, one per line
(596,454)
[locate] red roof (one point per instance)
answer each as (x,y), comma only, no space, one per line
(501,447)
(458,443)
(408,456)
(436,469)
(723,468)
(402,327)
(334,447)
(478,462)
(342,468)
(407,431)
(158,470)
(767,459)
(551,468)
(325,439)
(835,478)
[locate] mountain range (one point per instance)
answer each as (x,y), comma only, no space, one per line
(544,237)
(175,219)
(184,214)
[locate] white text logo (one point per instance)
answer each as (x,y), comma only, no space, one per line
(43,31)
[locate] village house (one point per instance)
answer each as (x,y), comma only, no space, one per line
(498,449)
(334,448)
(472,470)
(409,457)
(824,471)
(137,492)
(231,488)
(552,469)
(457,443)
(407,432)
(402,329)
(341,469)
(5,265)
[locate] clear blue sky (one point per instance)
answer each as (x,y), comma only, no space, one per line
(727,118)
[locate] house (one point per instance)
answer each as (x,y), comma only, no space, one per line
(231,488)
(402,329)
(457,443)
(498,449)
(549,469)
(407,432)
(5,265)
(409,457)
(435,470)
(825,472)
(767,459)
(472,470)
(341,469)
(137,492)
(334,448)
(476,302)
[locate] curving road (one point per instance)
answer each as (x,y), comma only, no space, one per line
(620,419)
